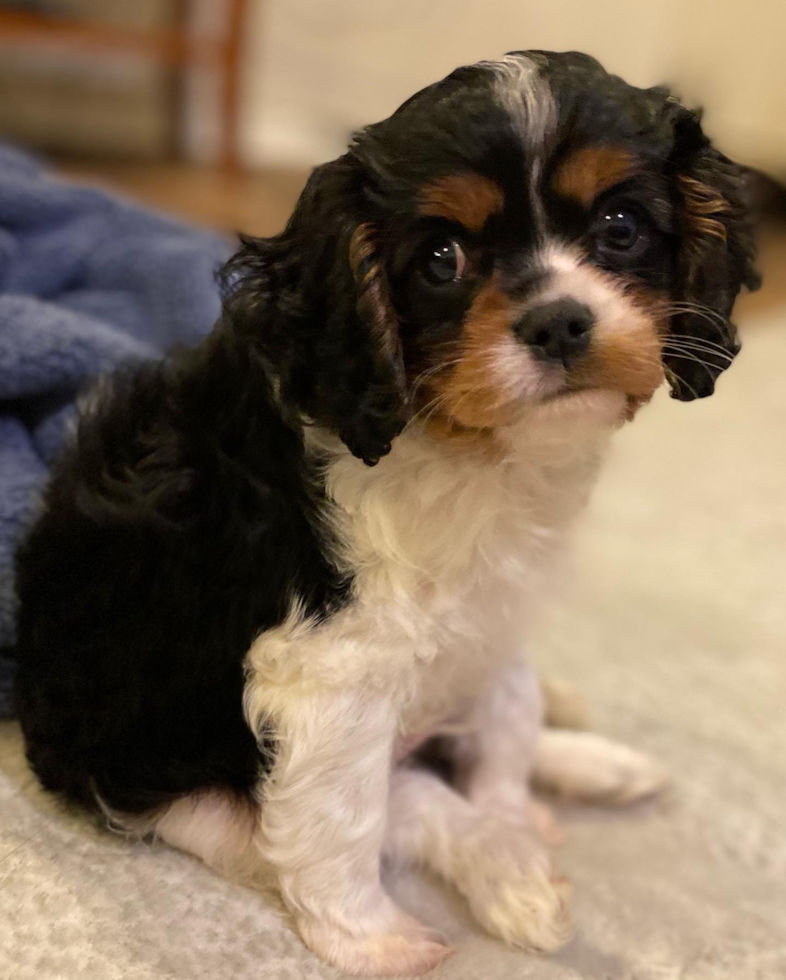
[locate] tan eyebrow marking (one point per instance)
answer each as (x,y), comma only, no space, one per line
(588,172)
(467,198)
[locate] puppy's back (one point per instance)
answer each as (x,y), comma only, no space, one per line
(173,531)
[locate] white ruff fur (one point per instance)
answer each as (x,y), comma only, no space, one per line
(447,549)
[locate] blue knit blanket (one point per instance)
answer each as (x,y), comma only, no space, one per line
(86,282)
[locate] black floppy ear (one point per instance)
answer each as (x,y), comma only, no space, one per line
(714,261)
(313,304)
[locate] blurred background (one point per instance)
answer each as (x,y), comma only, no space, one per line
(216,109)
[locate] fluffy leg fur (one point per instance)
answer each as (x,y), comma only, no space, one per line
(500,866)
(318,836)
(593,769)
(510,750)
(322,823)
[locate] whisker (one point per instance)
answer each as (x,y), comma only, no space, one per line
(675,381)
(691,336)
(431,372)
(699,349)
(696,360)
(708,344)
(718,321)
(699,308)
(418,416)
(697,340)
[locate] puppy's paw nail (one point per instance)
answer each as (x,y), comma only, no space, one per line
(512,889)
(532,914)
(632,777)
(413,952)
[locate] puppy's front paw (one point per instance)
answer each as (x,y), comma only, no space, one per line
(531,912)
(507,879)
(408,949)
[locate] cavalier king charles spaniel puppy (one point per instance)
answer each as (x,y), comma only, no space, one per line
(269,570)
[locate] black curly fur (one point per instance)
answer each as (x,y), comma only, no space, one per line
(177,530)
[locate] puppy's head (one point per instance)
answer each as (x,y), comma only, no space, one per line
(519,232)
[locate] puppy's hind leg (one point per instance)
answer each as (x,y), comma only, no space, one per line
(590,768)
(217,828)
(564,706)
(494,762)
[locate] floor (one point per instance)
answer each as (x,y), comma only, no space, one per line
(673,628)
(257,202)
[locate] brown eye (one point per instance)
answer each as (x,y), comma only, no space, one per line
(444,261)
(618,230)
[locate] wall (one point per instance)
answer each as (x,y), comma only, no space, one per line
(731,57)
(63,100)
(317,69)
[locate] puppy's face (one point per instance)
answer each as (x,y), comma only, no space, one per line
(515,291)
(521,232)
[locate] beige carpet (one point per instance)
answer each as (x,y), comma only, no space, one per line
(675,630)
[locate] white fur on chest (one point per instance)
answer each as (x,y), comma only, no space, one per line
(446,547)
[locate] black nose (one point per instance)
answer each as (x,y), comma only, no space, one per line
(557,331)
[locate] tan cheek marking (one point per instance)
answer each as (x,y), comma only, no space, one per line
(468,394)
(629,364)
(468,199)
(628,358)
(587,173)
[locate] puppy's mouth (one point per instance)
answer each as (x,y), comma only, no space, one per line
(567,391)
(503,383)
(633,373)
(557,385)
(577,398)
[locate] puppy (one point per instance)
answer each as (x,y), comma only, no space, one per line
(272,567)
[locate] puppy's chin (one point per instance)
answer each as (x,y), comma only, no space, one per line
(565,416)
(609,386)
(597,407)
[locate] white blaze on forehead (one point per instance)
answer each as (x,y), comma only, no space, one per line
(526,95)
(527,98)
(569,275)
(555,258)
